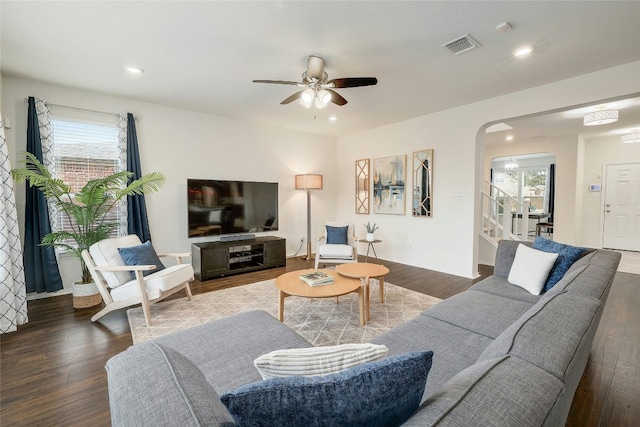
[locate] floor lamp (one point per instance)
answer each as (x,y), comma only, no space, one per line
(308,182)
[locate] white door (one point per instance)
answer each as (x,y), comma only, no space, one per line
(622,207)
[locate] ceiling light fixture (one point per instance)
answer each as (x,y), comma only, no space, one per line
(511,166)
(601,117)
(332,118)
(630,137)
(522,52)
(320,98)
(508,138)
(134,70)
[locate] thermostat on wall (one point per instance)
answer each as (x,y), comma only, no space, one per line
(595,187)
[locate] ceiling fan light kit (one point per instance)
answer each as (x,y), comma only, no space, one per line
(319,90)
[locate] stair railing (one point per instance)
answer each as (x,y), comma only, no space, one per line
(496,224)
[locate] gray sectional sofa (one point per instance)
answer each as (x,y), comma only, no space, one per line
(501,356)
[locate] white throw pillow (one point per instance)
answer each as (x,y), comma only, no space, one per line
(317,360)
(531,268)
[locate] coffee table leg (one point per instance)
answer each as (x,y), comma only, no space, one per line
(381,279)
(361,303)
(281,297)
(367,291)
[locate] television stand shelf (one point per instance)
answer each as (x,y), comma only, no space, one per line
(217,259)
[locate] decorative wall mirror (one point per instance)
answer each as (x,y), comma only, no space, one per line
(362,186)
(422,203)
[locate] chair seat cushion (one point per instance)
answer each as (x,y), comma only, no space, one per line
(335,251)
(160,281)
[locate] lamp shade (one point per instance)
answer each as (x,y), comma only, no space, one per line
(601,117)
(309,182)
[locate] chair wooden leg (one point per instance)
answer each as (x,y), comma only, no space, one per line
(187,288)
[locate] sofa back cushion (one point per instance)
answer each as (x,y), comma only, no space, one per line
(504,391)
(174,390)
(549,334)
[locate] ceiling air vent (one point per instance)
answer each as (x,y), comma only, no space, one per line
(462,44)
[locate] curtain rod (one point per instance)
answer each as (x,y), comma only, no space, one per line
(26,100)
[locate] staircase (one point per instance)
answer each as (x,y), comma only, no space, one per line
(496,225)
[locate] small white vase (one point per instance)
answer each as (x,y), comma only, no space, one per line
(370,237)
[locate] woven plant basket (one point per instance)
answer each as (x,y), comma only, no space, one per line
(86,295)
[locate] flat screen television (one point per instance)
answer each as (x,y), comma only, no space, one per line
(219,207)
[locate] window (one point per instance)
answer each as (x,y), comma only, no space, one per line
(83,150)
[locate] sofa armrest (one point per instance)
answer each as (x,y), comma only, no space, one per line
(125,267)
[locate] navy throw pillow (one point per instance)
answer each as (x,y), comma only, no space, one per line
(382,393)
(337,235)
(143,254)
(567,255)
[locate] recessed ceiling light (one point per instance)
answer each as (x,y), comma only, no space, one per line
(134,70)
(522,52)
(333,118)
(508,138)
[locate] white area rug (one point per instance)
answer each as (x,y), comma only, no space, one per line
(321,321)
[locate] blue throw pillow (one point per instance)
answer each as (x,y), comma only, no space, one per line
(382,393)
(143,254)
(567,255)
(337,235)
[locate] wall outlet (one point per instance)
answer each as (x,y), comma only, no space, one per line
(458,193)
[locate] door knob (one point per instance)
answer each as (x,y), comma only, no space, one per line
(608,205)
(608,210)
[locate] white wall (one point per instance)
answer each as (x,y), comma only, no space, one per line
(185,144)
(598,153)
(448,241)
(565,151)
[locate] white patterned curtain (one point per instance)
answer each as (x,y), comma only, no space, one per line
(46,142)
(122,145)
(13,292)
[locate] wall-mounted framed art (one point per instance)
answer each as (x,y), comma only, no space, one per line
(362,186)
(389,175)
(422,200)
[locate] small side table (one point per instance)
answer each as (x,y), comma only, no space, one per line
(366,271)
(370,247)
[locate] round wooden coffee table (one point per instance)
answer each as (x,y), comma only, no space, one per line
(366,271)
(290,284)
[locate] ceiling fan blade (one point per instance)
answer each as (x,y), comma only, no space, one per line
(278,82)
(353,82)
(336,98)
(292,98)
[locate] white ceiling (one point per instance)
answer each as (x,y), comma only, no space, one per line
(204,55)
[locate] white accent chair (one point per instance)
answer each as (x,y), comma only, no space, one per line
(336,253)
(119,290)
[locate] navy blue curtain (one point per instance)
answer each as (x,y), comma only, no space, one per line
(40,265)
(552,190)
(136,206)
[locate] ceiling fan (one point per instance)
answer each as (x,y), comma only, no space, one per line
(319,90)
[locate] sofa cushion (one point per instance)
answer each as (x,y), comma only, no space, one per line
(454,348)
(505,254)
(531,268)
(224,349)
(337,235)
(567,255)
(172,387)
(549,333)
(382,393)
(323,360)
(464,310)
(143,254)
(498,285)
(498,392)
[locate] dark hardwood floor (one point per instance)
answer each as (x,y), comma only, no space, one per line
(52,369)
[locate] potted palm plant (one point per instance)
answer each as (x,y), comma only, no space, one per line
(86,209)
